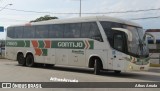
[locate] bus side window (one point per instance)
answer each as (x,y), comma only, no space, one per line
(18,32)
(95,32)
(11,32)
(29,32)
(85,30)
(68,33)
(56,31)
(42,31)
(76,28)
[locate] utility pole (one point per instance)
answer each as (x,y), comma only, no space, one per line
(80,8)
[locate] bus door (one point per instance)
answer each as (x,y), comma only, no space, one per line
(119,46)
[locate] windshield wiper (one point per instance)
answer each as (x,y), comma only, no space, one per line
(141,46)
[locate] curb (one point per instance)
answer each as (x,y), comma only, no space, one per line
(154,65)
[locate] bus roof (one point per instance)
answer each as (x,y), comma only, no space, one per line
(82,19)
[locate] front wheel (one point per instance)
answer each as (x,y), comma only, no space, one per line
(30,61)
(97,67)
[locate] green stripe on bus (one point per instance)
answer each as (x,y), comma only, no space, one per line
(45,52)
(91,44)
(27,43)
(41,44)
(54,44)
(17,43)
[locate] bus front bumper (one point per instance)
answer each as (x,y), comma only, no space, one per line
(134,67)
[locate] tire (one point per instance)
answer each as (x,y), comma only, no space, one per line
(97,67)
(21,60)
(117,71)
(30,61)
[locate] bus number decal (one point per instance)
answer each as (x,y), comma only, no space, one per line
(18,43)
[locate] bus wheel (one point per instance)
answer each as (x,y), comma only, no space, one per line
(97,67)
(117,71)
(21,60)
(30,61)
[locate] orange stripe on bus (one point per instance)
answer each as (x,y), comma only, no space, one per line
(35,43)
(47,44)
(38,51)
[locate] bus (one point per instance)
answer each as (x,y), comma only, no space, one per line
(98,42)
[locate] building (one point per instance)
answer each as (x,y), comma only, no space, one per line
(154,49)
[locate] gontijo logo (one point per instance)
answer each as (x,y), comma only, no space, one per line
(70,44)
(86,44)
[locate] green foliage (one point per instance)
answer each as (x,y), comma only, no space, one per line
(44,18)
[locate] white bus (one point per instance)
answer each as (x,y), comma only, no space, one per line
(98,42)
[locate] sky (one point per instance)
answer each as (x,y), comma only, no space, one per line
(12,17)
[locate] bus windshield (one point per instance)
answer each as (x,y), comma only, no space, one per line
(136,47)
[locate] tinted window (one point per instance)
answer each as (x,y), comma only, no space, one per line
(76,29)
(42,31)
(18,32)
(95,32)
(10,32)
(56,31)
(85,30)
(91,30)
(72,30)
(107,26)
(29,32)
(119,42)
(67,32)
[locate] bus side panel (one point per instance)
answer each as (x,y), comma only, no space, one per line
(61,56)
(46,56)
(10,53)
(51,55)
(77,57)
(119,61)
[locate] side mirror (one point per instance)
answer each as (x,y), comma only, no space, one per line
(129,34)
(145,35)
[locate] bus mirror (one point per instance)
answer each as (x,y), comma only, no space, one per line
(148,34)
(129,34)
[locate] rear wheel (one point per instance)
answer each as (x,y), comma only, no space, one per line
(30,60)
(97,67)
(21,60)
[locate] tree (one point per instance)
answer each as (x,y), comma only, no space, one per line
(44,18)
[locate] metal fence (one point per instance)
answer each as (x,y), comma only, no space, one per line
(2,48)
